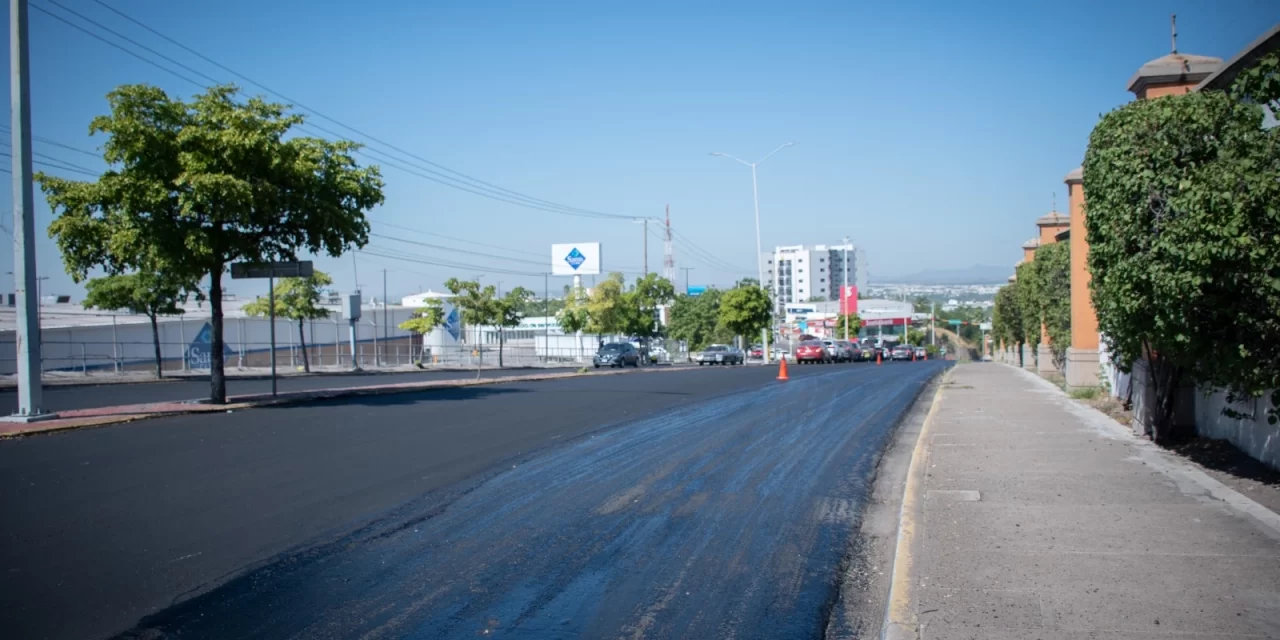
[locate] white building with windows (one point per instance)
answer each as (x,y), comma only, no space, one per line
(800,274)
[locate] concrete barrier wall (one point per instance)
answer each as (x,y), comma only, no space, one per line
(1252,435)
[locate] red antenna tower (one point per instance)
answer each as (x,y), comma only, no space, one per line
(668,260)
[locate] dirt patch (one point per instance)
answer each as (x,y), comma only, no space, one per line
(1234,468)
(1111,406)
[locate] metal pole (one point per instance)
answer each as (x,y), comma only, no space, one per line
(30,391)
(755,198)
(386,328)
(271,305)
(115,346)
(546,317)
(844,285)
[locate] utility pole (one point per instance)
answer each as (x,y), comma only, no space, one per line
(27,313)
(668,258)
(645,222)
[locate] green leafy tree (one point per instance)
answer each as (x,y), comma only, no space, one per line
(193,186)
(607,307)
(915,336)
(695,320)
(296,299)
(847,321)
(425,320)
(478,308)
(1029,306)
(151,294)
(746,311)
(1184,249)
(1052,269)
(507,313)
(1006,322)
(642,303)
(574,317)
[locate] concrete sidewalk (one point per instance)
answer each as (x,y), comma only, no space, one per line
(1029,515)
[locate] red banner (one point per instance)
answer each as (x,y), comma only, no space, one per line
(848,300)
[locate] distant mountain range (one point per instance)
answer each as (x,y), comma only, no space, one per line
(976,274)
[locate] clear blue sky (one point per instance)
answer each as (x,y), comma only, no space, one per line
(932,133)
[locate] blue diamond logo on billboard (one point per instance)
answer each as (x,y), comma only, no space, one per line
(451,323)
(199,353)
(575,259)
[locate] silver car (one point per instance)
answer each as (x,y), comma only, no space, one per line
(719,354)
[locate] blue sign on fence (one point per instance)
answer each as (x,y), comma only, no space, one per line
(696,290)
(199,353)
(451,323)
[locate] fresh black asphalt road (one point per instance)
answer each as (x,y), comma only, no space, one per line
(67,397)
(698,503)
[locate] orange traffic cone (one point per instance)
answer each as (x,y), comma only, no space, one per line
(782,368)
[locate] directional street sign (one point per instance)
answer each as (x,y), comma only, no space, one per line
(251,270)
(271,271)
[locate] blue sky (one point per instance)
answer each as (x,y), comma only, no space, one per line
(931,133)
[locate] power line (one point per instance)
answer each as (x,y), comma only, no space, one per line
(455,239)
(51,165)
(444,248)
(476,182)
(98,37)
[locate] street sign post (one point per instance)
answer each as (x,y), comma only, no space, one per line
(271,271)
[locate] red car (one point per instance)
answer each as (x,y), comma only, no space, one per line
(811,351)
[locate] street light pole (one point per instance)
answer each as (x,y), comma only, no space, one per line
(755,198)
(844,286)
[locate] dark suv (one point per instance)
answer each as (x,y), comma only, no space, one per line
(617,354)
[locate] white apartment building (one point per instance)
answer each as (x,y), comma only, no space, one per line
(800,274)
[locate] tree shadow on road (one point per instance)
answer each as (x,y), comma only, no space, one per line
(444,394)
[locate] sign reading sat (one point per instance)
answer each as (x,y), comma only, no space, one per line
(575,259)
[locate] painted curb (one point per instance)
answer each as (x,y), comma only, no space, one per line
(900,621)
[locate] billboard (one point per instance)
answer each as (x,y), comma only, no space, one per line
(575,259)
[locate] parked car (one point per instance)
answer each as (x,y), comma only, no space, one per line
(812,351)
(833,350)
(617,354)
(845,351)
(903,352)
(658,354)
(720,354)
(854,349)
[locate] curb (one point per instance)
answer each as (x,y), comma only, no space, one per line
(296,397)
(900,621)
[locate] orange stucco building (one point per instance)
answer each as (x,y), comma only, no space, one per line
(1172,74)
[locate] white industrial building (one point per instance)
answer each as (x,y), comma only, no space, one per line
(799,273)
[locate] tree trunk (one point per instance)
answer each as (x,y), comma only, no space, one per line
(155,340)
(302,339)
(217,377)
(1166,381)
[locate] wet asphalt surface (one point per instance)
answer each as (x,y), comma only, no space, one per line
(700,503)
(92,396)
